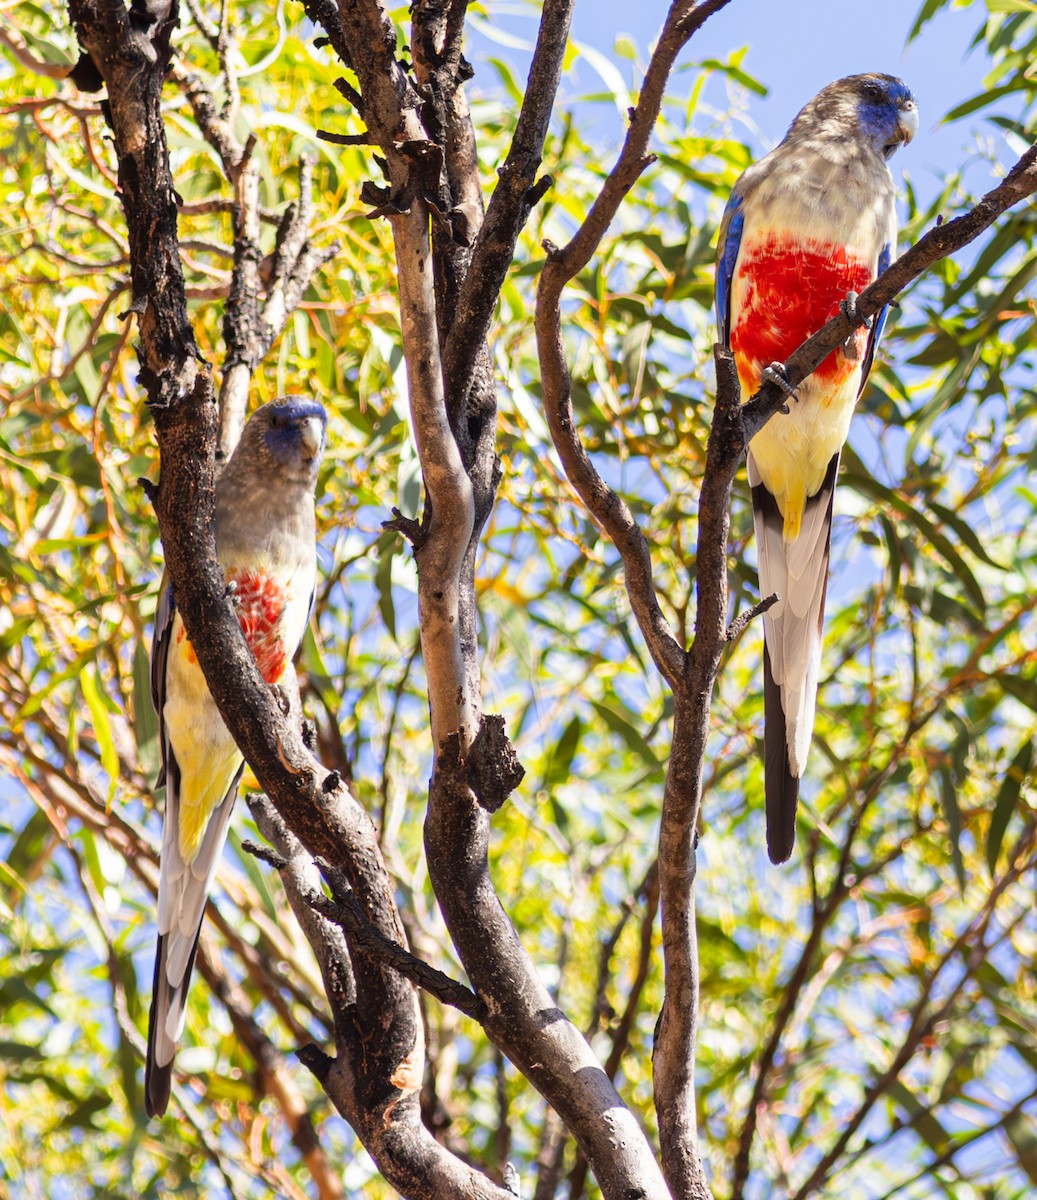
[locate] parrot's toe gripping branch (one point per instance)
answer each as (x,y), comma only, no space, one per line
(776,374)
(848,308)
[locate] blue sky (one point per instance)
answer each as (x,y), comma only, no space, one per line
(794,56)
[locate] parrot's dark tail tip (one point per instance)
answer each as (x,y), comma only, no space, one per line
(157,1083)
(779,849)
(780,786)
(782,800)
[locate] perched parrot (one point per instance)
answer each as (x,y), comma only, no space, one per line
(266,545)
(807,228)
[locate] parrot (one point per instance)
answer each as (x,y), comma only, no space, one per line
(265,524)
(806,228)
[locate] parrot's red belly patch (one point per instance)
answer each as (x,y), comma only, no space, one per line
(790,292)
(260,602)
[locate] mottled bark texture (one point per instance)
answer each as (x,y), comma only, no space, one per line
(375,1076)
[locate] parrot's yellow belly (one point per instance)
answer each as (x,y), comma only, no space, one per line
(792,451)
(206,754)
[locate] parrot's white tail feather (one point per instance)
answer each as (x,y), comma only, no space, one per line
(802,555)
(165,1025)
(798,572)
(183,890)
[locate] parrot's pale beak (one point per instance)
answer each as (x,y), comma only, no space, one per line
(907,121)
(312,437)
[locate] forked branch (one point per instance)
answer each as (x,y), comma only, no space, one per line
(674,1056)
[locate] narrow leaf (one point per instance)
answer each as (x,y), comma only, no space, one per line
(952,813)
(145,722)
(631,736)
(1007,798)
(383,583)
(102,725)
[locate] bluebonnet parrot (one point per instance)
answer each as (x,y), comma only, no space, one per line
(266,545)
(806,228)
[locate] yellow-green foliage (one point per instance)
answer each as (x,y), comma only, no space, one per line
(927,712)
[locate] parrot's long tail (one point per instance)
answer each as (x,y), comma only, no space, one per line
(184,886)
(798,572)
(781,787)
(165,1024)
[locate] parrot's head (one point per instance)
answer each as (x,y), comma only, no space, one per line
(878,109)
(289,434)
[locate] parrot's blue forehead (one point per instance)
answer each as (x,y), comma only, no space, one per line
(293,409)
(882,93)
(893,91)
(883,100)
(289,428)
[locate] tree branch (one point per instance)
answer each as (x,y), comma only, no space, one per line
(441,72)
(250,328)
(378,1088)
(522,1019)
(693,683)
(510,204)
(690,677)
(346,913)
(454,707)
(607,508)
(620,1034)
(939,242)
(408,1155)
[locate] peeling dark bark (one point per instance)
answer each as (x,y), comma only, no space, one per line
(376,1076)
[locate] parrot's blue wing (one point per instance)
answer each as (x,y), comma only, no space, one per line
(877,326)
(728,242)
(165,611)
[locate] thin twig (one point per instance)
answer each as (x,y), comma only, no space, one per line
(349,917)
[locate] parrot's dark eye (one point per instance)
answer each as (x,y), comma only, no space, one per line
(872,91)
(275,420)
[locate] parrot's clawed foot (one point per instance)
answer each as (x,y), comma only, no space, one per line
(282,699)
(231,591)
(848,308)
(776,374)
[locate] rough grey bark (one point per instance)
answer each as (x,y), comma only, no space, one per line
(376,1075)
